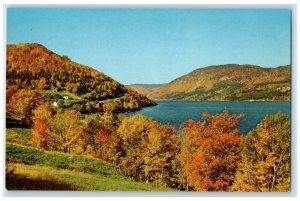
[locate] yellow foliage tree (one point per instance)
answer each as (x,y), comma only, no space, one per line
(265,156)
(22,104)
(150,149)
(66,129)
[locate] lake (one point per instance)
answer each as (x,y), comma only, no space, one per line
(176,112)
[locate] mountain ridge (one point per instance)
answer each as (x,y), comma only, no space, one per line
(228,82)
(144,89)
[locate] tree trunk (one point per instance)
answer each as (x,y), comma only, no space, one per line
(274,178)
(187,185)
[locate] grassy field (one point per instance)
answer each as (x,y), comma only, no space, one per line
(58,94)
(19,136)
(31,169)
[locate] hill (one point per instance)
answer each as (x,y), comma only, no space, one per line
(144,89)
(229,82)
(33,66)
(31,169)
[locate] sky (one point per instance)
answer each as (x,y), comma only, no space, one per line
(153,46)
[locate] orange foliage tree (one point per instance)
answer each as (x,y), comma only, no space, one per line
(210,151)
(42,84)
(41,135)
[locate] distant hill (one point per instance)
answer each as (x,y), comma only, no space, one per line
(33,66)
(229,82)
(144,89)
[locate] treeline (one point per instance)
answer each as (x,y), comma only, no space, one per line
(21,103)
(33,67)
(205,155)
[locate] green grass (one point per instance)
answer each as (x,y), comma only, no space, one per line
(54,171)
(35,177)
(18,136)
(32,156)
(53,94)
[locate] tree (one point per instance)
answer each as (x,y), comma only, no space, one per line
(42,84)
(87,137)
(265,164)
(44,112)
(66,57)
(149,149)
(66,130)
(108,107)
(23,102)
(210,151)
(41,135)
(9,95)
(162,146)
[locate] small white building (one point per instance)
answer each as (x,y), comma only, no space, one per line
(54,104)
(65,97)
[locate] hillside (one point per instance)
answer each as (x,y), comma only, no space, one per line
(31,169)
(144,89)
(229,82)
(33,66)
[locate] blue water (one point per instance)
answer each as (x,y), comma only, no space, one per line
(176,112)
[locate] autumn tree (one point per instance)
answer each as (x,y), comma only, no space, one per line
(149,149)
(44,111)
(265,164)
(41,135)
(108,107)
(66,129)
(99,137)
(22,103)
(162,146)
(9,95)
(103,140)
(42,84)
(87,138)
(210,151)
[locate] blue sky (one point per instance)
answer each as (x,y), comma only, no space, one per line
(155,45)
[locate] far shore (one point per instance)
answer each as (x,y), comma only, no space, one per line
(159,100)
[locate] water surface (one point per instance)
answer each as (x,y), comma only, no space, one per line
(176,112)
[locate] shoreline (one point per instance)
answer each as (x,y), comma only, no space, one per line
(250,101)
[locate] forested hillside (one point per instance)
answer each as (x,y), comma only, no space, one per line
(71,85)
(144,89)
(229,82)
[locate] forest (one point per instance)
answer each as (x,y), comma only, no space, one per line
(205,155)
(68,119)
(232,82)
